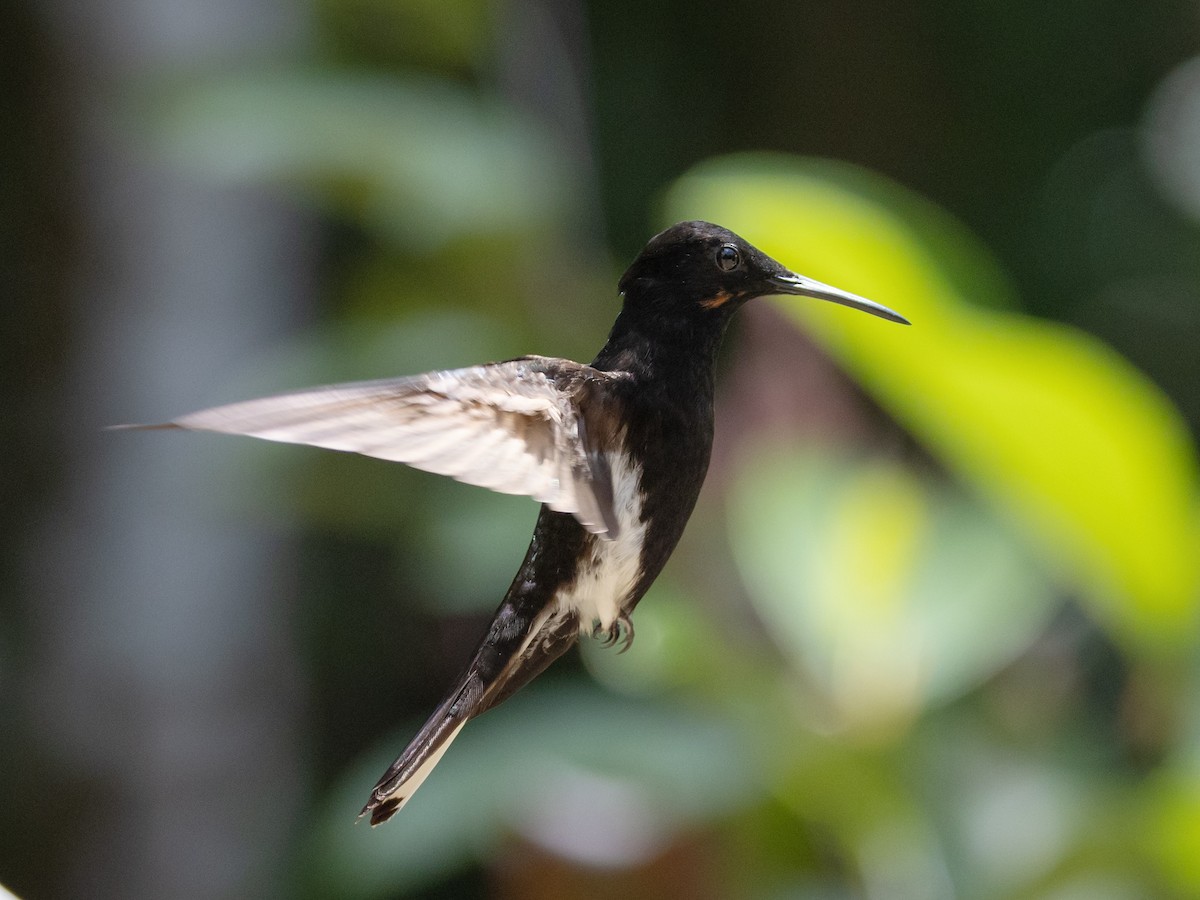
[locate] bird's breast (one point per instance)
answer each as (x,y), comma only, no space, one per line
(610,571)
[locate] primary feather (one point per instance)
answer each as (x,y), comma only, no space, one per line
(514,427)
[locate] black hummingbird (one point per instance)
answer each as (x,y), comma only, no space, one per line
(615,451)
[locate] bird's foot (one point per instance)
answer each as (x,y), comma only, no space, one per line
(620,630)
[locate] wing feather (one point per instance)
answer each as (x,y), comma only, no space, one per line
(514,427)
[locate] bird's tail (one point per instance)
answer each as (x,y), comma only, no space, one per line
(508,658)
(413,766)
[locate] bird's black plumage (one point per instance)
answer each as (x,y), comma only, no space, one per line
(616,451)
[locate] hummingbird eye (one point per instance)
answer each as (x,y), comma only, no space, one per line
(728,258)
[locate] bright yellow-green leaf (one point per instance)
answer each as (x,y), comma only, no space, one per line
(1173,832)
(889,592)
(1057,429)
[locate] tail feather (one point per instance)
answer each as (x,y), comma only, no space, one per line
(409,772)
(507,659)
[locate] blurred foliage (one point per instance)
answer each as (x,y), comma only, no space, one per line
(610,802)
(418,158)
(444,35)
(1051,425)
(878,737)
(942,596)
(888,722)
(968,669)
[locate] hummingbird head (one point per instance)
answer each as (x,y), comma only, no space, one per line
(698,268)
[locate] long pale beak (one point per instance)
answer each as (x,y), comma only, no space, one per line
(791,283)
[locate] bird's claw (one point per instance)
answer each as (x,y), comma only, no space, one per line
(621,630)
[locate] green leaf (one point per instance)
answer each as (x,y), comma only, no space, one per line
(1172,833)
(420,159)
(890,593)
(1056,429)
(559,760)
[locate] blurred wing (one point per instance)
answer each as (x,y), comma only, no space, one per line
(515,427)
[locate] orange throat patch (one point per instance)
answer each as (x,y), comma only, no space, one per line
(717,300)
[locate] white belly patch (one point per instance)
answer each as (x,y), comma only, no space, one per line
(609,574)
